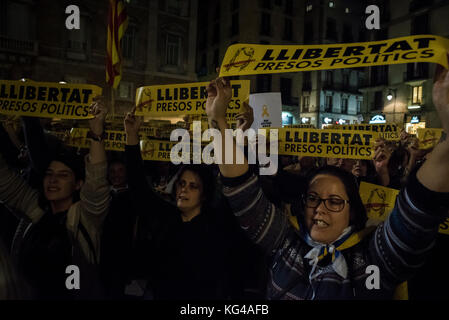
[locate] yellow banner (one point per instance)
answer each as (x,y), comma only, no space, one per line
(378,200)
(47,99)
(186,98)
(300,126)
(444,227)
(247,59)
(327,143)
(390,132)
(428,138)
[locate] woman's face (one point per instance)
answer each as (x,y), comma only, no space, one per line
(360,168)
(324,225)
(59,182)
(189,190)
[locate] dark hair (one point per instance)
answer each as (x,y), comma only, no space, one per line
(357,211)
(71,160)
(208,181)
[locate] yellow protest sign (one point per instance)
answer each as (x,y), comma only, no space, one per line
(428,138)
(185,99)
(115,139)
(387,131)
(444,227)
(157,150)
(299,126)
(247,59)
(379,201)
(327,143)
(47,99)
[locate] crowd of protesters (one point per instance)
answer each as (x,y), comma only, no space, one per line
(153,230)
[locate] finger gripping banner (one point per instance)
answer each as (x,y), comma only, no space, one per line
(46,99)
(247,59)
(186,99)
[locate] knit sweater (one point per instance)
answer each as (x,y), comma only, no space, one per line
(398,246)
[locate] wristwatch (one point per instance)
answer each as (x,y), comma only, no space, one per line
(95,137)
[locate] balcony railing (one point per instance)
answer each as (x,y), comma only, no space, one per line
(18,46)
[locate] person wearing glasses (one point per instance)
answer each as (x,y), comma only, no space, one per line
(320,248)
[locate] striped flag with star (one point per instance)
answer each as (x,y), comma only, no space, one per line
(117,24)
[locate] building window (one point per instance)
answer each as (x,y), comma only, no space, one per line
(235,24)
(307,81)
(359,106)
(305,103)
(344,105)
(288,7)
(346,81)
(331,29)
(203,66)
(378,100)
(128,41)
(74,79)
(288,29)
(309,8)
(328,78)
(265,25)
(264,83)
(417,95)
(308,32)
(125,90)
(347,10)
(328,104)
(286,90)
(331,4)
(176,7)
(347,33)
(16,20)
(216,34)
(266,4)
(77,38)
(235,5)
(216,58)
(420,24)
(173,50)
(217,12)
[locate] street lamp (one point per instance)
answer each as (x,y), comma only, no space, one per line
(392,94)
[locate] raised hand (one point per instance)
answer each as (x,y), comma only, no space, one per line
(99,111)
(132,125)
(219,94)
(245,119)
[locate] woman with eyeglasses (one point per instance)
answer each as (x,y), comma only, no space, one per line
(326,253)
(187,249)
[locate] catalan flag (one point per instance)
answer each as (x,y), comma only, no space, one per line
(117,24)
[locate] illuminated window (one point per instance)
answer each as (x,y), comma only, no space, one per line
(417,95)
(309,8)
(331,4)
(347,10)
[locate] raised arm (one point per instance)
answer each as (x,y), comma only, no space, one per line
(150,206)
(219,96)
(400,245)
(265,224)
(434,173)
(94,194)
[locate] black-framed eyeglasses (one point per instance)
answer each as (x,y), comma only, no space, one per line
(331,204)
